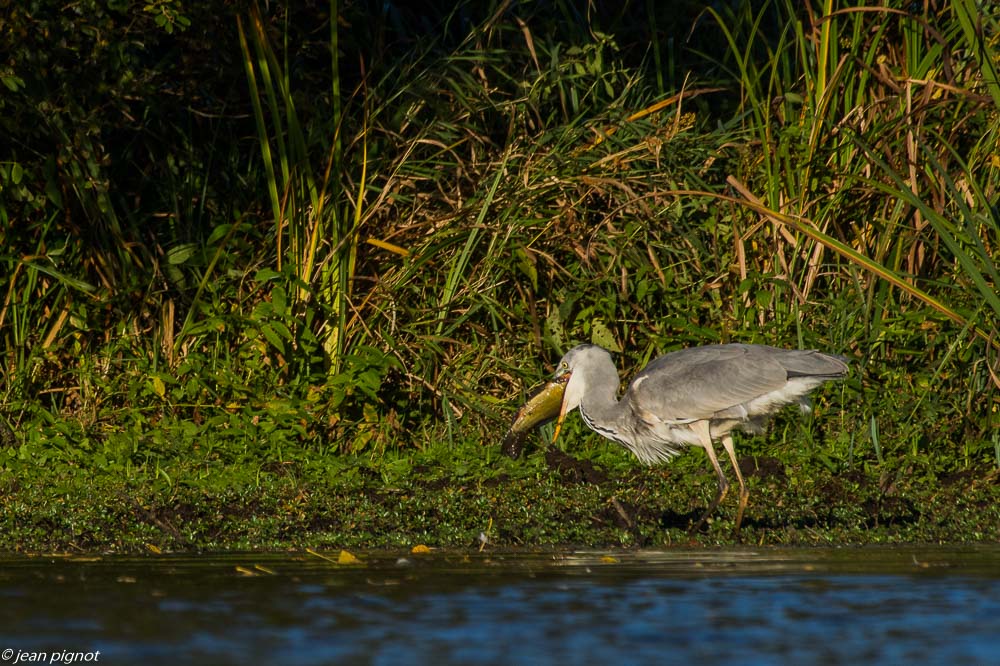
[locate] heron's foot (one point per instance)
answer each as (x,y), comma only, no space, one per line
(744,498)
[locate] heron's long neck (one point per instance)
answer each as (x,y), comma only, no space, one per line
(600,407)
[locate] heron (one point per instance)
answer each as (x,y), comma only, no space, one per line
(690,397)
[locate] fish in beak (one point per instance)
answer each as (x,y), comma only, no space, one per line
(543,406)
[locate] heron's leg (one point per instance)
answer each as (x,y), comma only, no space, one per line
(727,441)
(702,430)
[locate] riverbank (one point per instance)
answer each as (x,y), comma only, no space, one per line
(470,497)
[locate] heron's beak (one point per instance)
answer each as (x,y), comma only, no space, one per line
(562,410)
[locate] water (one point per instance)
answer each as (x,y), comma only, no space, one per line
(792,606)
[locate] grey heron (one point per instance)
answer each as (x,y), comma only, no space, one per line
(690,397)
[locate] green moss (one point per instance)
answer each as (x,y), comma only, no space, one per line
(243,506)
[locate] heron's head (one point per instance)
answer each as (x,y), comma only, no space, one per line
(572,369)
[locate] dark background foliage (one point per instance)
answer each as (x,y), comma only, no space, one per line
(496,151)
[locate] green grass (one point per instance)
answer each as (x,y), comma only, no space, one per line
(448,500)
(341,285)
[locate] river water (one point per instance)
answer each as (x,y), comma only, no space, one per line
(914,605)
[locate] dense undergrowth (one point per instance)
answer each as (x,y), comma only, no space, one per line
(242,243)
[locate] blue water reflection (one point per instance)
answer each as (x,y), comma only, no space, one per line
(781,607)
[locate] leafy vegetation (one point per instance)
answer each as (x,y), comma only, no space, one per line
(267,251)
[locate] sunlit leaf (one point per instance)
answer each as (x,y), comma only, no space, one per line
(346,557)
(601,335)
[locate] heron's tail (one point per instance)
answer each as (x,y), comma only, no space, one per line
(817,364)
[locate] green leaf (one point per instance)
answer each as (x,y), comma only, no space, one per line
(218,233)
(280,328)
(180,254)
(266,274)
(13,83)
(554,329)
(601,335)
(272,336)
(279,300)
(527,266)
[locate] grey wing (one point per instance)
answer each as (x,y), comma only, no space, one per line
(705,382)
